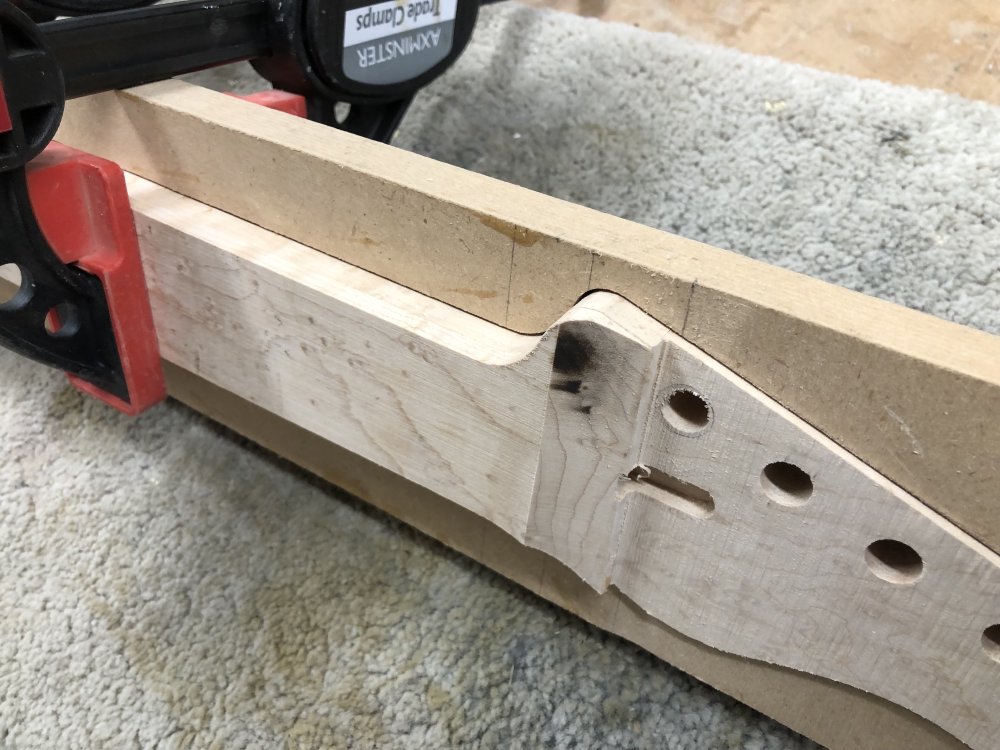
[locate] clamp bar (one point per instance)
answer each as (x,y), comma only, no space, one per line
(130,47)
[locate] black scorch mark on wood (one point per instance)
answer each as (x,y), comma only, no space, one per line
(574,357)
(574,354)
(569,386)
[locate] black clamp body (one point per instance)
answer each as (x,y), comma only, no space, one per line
(369,57)
(59,314)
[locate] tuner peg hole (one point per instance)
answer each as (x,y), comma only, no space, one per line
(687,411)
(894,561)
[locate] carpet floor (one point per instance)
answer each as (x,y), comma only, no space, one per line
(164,584)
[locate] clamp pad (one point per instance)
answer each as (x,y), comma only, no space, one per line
(82,206)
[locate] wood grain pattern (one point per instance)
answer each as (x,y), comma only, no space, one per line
(479,244)
(952,46)
(587,443)
(835,715)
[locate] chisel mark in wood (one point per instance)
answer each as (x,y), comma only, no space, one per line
(510,282)
(520,235)
(905,429)
(672,492)
(687,308)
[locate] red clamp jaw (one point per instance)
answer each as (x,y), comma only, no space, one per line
(81,303)
(82,206)
(80,224)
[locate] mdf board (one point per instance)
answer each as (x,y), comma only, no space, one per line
(928,43)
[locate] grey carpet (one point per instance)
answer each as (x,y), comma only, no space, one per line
(166,585)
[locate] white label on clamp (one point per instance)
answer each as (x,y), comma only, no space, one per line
(380,20)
